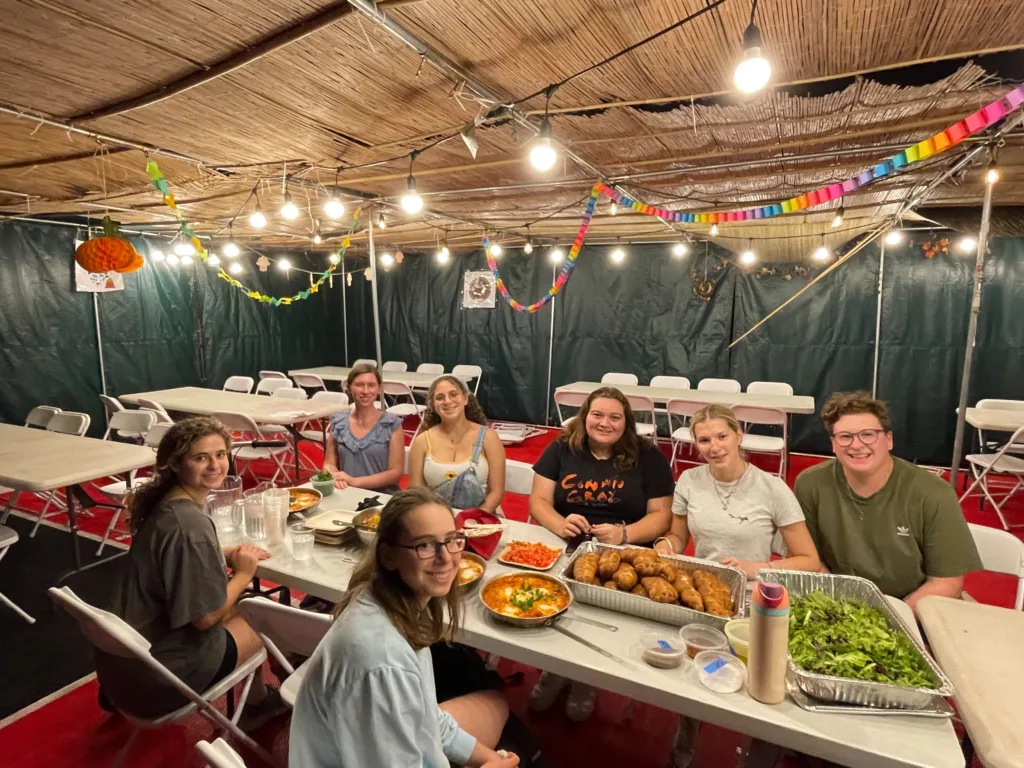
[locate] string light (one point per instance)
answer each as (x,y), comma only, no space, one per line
(334,208)
(496,250)
(235,268)
(967,244)
(714,230)
(823,253)
(618,255)
(381,222)
(387,260)
(284,265)
(748,257)
(412,203)
(991,176)
(230,250)
(334,258)
(289,210)
(157,255)
(317,237)
(442,256)
(613,209)
(213,260)
(172,259)
(679,250)
(895,237)
(186,260)
(528,248)
(753,72)
(257,220)
(542,151)
(557,255)
(184,248)
(837,220)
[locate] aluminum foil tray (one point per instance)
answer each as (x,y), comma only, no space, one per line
(645,608)
(844,690)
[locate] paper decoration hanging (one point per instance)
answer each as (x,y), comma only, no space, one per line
(108,252)
(478,290)
(158,180)
(96,282)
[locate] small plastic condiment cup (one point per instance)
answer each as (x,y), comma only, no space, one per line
(663,650)
(720,671)
(738,633)
(701,638)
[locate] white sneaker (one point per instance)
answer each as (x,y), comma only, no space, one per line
(546,691)
(684,744)
(580,704)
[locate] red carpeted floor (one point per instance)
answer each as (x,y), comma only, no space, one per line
(71,731)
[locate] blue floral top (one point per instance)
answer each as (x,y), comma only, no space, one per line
(366,455)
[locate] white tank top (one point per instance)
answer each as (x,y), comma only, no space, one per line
(436,472)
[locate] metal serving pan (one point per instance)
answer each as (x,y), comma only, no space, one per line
(519,621)
(844,690)
(645,608)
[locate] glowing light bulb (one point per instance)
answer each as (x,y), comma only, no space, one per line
(334,208)
(445,251)
(557,256)
(381,222)
(618,255)
(257,220)
(157,255)
(837,220)
(284,265)
(334,258)
(172,259)
(230,250)
(387,260)
(235,268)
(967,244)
(442,257)
(822,254)
(542,152)
(317,238)
(714,230)
(184,248)
(748,257)
(186,260)
(411,201)
(991,176)
(528,248)
(753,72)
(895,237)
(289,210)
(679,250)
(613,209)
(496,250)
(213,260)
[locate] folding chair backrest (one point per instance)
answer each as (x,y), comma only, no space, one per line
(111,405)
(769,388)
(132,421)
(571,399)
(155,434)
(518,477)
(435,369)
(70,423)
(1001,405)
(684,409)
(333,399)
(673,382)
(750,415)
(153,405)
(40,416)
(720,385)
(238,384)
(219,754)
(272,375)
(640,404)
(292,393)
(1001,552)
(103,629)
(620,378)
(396,389)
(471,372)
(364,361)
(291,630)
(268,386)
(237,422)
(396,366)
(308,380)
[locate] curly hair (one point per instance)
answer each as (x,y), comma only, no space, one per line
(626,451)
(473,410)
(175,446)
(847,403)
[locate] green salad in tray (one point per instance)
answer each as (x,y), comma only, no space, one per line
(846,638)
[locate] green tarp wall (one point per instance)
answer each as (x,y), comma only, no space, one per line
(180,327)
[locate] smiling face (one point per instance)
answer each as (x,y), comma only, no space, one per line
(428,577)
(364,390)
(718,444)
(606,421)
(861,457)
(206,464)
(449,400)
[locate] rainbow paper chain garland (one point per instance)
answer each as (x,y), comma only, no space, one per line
(933,145)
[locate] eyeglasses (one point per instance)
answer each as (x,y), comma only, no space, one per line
(428,549)
(866,436)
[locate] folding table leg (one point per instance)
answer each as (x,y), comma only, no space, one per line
(10,505)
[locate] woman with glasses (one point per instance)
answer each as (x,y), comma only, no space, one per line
(457,454)
(369,694)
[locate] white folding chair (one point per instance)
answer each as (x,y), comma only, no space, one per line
(111,405)
(113,635)
(399,392)
(336,400)
(364,361)
(765,443)
(40,416)
(471,372)
(999,405)
(1001,552)
(434,369)
(130,424)
(518,477)
(569,400)
(67,423)
(719,385)
(309,381)
(248,429)
(163,417)
(241,384)
(292,393)
(669,382)
(681,409)
(269,386)
(219,754)
(272,375)
(983,464)
(8,538)
(769,388)
(616,379)
(641,404)
(394,366)
(285,630)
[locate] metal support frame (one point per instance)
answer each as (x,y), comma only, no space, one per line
(344,309)
(551,351)
(373,289)
(878,321)
(99,342)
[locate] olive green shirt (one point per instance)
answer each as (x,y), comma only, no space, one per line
(910,530)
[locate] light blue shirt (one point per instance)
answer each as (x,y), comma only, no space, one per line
(368,700)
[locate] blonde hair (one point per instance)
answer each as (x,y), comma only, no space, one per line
(715,411)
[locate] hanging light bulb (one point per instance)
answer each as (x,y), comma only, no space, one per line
(442,256)
(557,255)
(230,250)
(235,268)
(823,253)
(284,265)
(317,238)
(334,208)
(496,250)
(381,222)
(289,210)
(184,248)
(186,260)
(753,72)
(967,244)
(412,203)
(387,260)
(172,259)
(157,255)
(542,151)
(991,175)
(618,255)
(257,220)
(334,258)
(613,208)
(895,237)
(714,230)
(213,260)
(837,220)
(679,250)
(528,248)
(748,257)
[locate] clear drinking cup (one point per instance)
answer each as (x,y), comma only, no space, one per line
(254,518)
(275,511)
(302,541)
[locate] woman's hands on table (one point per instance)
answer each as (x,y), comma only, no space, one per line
(574,525)
(245,557)
(342,480)
(608,533)
(749,567)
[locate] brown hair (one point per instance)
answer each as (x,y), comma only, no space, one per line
(625,452)
(175,445)
(472,410)
(360,369)
(716,411)
(421,627)
(846,403)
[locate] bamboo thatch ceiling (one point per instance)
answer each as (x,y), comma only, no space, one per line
(353,94)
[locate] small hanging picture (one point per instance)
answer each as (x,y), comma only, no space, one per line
(96,282)
(478,290)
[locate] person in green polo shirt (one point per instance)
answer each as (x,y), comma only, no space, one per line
(880,517)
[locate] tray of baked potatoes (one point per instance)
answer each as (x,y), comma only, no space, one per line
(673,589)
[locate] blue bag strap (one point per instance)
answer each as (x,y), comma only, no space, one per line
(478,446)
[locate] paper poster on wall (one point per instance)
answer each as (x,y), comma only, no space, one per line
(96,282)
(478,290)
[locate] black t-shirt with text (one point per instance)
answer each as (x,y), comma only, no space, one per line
(594,488)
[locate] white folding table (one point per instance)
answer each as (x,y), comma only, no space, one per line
(37,460)
(803,404)
(410,378)
(854,740)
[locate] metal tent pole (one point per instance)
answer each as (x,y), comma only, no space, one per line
(878,322)
(99,341)
(344,307)
(972,331)
(373,288)
(551,350)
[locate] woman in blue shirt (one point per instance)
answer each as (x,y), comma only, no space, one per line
(368,697)
(365,446)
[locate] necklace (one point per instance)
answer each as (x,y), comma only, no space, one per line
(454,441)
(725,491)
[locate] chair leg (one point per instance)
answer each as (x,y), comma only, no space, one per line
(10,505)
(7,601)
(120,756)
(39,520)
(106,534)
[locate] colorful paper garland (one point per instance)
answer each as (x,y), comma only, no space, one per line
(929,147)
(158,180)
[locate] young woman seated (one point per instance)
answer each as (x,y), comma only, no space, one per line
(599,478)
(365,445)
(176,592)
(369,694)
(457,454)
